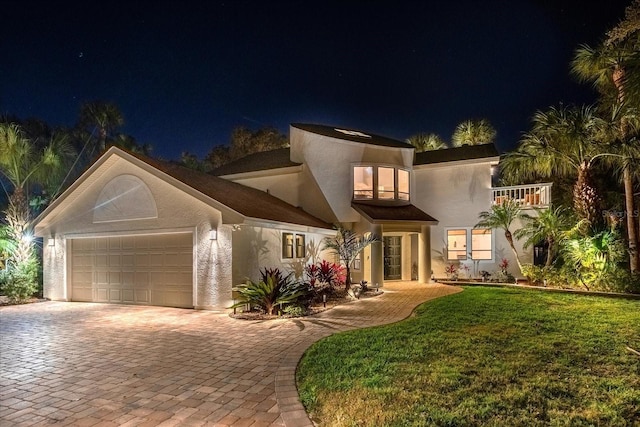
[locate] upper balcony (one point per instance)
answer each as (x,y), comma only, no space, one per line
(527,196)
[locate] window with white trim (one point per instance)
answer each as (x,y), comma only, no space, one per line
(459,249)
(293,246)
(380,183)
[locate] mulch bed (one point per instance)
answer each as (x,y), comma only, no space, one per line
(5,301)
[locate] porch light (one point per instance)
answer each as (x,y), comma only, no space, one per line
(51,242)
(213,234)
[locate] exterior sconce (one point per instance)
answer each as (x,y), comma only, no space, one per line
(213,234)
(51,242)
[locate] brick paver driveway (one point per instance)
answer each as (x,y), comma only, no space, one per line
(105,365)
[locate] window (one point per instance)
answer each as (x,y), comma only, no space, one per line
(386,183)
(481,244)
(287,245)
(456,244)
(363,182)
(301,249)
(380,183)
(403,184)
(293,246)
(357,262)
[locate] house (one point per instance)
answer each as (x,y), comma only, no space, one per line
(137,230)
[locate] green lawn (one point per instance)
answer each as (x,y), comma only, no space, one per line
(483,357)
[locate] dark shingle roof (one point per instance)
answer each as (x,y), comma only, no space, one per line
(351,135)
(265,160)
(242,199)
(466,152)
(408,213)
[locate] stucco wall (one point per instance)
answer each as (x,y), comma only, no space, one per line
(256,247)
(177,211)
(330,161)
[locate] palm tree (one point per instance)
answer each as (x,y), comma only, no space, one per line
(548,225)
(473,132)
(427,142)
(501,217)
(22,165)
(612,67)
(347,244)
(563,142)
(103,118)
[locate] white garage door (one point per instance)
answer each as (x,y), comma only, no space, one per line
(150,270)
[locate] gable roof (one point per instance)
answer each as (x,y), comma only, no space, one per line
(351,135)
(466,152)
(265,160)
(248,202)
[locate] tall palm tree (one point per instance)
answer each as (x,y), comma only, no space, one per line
(347,244)
(563,142)
(501,217)
(427,142)
(614,69)
(548,225)
(22,165)
(103,118)
(473,132)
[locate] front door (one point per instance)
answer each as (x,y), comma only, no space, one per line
(392,257)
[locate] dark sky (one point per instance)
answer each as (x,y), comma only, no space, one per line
(186,73)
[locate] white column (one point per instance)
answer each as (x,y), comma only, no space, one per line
(377,258)
(424,254)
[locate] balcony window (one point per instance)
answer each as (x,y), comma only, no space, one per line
(380,183)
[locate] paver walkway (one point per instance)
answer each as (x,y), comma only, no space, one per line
(87,364)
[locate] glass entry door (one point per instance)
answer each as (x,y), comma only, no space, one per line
(392,257)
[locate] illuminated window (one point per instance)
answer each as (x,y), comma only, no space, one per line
(403,184)
(481,244)
(363,182)
(389,183)
(456,244)
(357,262)
(386,183)
(301,249)
(287,245)
(293,246)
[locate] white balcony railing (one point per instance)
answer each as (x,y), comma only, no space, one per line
(529,195)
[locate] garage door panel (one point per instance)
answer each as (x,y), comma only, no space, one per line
(152,269)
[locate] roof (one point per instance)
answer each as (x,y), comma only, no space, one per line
(466,152)
(265,160)
(247,201)
(351,135)
(391,213)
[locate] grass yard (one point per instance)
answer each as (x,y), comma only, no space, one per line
(483,357)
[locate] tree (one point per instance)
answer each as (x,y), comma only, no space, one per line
(427,142)
(548,225)
(347,244)
(614,69)
(22,165)
(563,142)
(500,217)
(103,118)
(473,132)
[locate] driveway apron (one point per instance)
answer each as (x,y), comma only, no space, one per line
(86,364)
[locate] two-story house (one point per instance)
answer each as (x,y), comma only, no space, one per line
(136,230)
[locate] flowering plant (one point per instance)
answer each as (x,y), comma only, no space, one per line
(504,264)
(450,270)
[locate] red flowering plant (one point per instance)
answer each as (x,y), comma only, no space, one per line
(504,264)
(451,271)
(324,277)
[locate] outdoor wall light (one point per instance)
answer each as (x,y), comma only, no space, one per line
(213,234)
(51,242)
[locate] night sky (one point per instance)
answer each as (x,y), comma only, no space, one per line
(184,74)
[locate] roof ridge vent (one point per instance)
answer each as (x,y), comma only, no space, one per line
(352,133)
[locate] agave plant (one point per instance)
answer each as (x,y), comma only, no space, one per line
(273,289)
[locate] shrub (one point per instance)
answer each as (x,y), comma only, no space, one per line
(294,310)
(535,274)
(20,282)
(273,289)
(324,277)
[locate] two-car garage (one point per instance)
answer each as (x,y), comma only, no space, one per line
(152,269)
